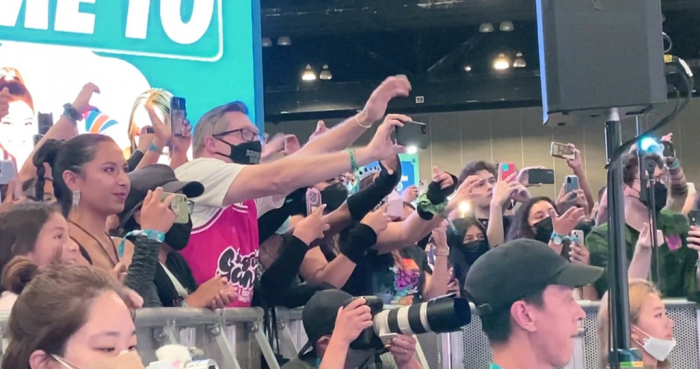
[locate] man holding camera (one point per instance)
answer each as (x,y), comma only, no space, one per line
(332,327)
(523,293)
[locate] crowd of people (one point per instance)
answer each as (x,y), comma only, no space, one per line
(88,233)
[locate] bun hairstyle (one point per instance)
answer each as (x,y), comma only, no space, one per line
(54,303)
(11,79)
(19,228)
(61,156)
(159,98)
(17,274)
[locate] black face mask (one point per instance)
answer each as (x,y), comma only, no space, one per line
(544,230)
(247,153)
(473,250)
(660,196)
(334,196)
(179,235)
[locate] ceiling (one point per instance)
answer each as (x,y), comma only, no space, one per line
(431,41)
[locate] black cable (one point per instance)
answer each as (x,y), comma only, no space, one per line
(680,106)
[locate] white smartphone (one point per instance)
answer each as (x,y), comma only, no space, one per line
(313,200)
(395,205)
(577,236)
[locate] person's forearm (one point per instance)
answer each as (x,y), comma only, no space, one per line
(338,138)
(437,286)
(403,234)
(586,187)
(152,156)
(178,159)
(277,279)
(641,263)
(679,186)
(494,231)
(64,129)
(142,271)
(338,220)
(300,171)
(335,356)
(335,273)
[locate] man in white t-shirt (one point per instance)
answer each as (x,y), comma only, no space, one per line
(227,147)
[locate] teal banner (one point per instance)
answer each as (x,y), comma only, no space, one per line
(207,51)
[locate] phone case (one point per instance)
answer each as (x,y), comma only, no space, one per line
(178,113)
(559,150)
(540,176)
(694,217)
(571,183)
(179,206)
(313,200)
(507,169)
(7,171)
(577,235)
(395,208)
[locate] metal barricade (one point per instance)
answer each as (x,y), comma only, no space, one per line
(231,337)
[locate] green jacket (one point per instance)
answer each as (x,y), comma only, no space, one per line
(677,268)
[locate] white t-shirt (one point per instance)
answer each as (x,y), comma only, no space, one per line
(7,300)
(224,240)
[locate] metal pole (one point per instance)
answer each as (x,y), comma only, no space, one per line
(620,340)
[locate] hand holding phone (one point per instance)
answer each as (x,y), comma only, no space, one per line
(178,113)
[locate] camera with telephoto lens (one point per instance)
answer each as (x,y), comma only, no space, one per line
(440,315)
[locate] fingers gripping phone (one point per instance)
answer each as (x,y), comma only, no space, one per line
(413,134)
(178,113)
(563,151)
(180,206)
(571,184)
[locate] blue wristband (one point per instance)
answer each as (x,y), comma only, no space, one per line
(149,233)
(353,161)
(154,148)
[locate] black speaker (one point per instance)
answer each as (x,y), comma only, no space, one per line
(600,54)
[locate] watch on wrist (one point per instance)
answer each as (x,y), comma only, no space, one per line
(70,112)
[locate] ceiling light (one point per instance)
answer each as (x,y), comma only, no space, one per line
(325,73)
(486,28)
(308,74)
(519,61)
(266,42)
(507,26)
(411,149)
(501,63)
(467,68)
(284,41)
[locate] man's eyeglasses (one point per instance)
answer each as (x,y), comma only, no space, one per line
(244,134)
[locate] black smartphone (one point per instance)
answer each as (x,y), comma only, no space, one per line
(540,176)
(413,134)
(150,130)
(694,217)
(178,113)
(669,151)
(45,122)
(37,138)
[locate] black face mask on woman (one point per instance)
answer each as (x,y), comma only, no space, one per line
(247,153)
(473,250)
(334,196)
(179,235)
(544,229)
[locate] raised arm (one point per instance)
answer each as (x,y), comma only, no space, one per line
(346,133)
(577,167)
(64,129)
(290,173)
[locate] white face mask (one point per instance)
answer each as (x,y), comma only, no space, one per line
(125,360)
(658,349)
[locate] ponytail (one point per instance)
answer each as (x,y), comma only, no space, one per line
(46,154)
(18,273)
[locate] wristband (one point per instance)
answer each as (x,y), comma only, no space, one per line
(675,164)
(148,233)
(360,124)
(71,113)
(440,252)
(353,160)
(558,239)
(426,205)
(154,148)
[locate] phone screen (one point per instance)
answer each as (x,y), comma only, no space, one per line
(178,113)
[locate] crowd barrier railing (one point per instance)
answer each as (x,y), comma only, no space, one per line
(235,340)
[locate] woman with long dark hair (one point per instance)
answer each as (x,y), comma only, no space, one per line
(17,128)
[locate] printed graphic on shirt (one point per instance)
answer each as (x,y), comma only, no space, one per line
(240,271)
(400,284)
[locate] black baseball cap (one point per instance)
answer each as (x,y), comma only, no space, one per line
(151,177)
(518,268)
(320,313)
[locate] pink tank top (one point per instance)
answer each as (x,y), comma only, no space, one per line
(227,244)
